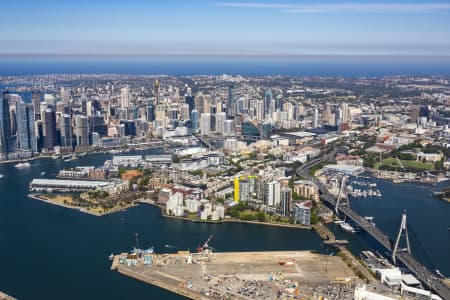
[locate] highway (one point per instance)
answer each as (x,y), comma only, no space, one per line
(205,142)
(427,277)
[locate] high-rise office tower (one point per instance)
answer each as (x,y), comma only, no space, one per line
(195,118)
(220,122)
(205,124)
(200,102)
(65,96)
(315,120)
(229,127)
(31,126)
(23,142)
(279,102)
(230,102)
(36,97)
(188,91)
(49,129)
(157,91)
(65,124)
(125,97)
(268,95)
(191,102)
(150,112)
(6,138)
(260,110)
(82,131)
(345,114)
(339,116)
(184,111)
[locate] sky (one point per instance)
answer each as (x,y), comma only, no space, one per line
(225,28)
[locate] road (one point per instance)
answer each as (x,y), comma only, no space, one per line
(427,277)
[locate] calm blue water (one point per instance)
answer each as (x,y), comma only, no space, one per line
(348,67)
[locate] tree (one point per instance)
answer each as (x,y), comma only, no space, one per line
(261,216)
(314,218)
(439,165)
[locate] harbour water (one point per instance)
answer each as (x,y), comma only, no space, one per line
(428,218)
(49,252)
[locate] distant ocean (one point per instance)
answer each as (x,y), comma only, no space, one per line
(346,67)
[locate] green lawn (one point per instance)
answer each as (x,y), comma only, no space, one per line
(407,163)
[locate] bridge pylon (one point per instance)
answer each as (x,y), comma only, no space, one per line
(403,229)
(341,192)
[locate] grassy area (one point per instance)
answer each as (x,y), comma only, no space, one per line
(391,161)
(87,203)
(317,167)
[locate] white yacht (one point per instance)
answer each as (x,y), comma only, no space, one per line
(23,165)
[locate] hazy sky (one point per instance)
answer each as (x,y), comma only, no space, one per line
(370,27)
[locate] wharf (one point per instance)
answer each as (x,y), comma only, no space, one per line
(243,275)
(328,236)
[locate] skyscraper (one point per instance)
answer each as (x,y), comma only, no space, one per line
(268,95)
(36,97)
(82,131)
(220,122)
(344,108)
(65,96)
(205,124)
(125,97)
(23,142)
(200,102)
(31,127)
(191,102)
(65,123)
(195,116)
(184,111)
(49,129)
(230,102)
(315,120)
(6,138)
(150,112)
(157,91)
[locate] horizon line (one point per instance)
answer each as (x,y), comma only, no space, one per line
(220,55)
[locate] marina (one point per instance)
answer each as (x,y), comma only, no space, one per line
(358,189)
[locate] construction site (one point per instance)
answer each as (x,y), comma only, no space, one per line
(242,275)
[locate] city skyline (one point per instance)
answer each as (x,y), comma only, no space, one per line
(227,28)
